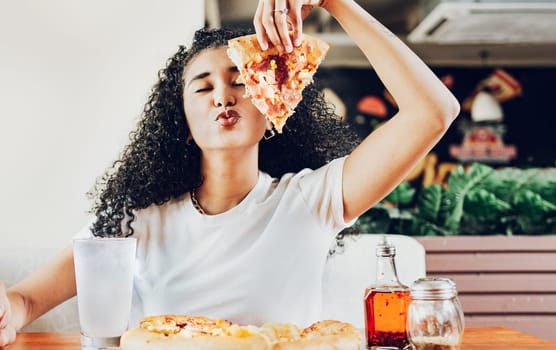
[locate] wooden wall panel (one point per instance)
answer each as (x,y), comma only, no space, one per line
(502,281)
(514,282)
(508,303)
(492,261)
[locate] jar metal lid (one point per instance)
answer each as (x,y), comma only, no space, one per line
(431,288)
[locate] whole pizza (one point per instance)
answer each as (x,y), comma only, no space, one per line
(182,332)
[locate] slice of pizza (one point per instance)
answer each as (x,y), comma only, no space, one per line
(335,334)
(275,80)
(169,332)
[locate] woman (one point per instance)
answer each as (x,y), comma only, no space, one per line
(229,224)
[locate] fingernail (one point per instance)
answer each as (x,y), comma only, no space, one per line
(297,41)
(289,48)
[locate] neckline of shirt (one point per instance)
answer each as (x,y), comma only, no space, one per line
(263,181)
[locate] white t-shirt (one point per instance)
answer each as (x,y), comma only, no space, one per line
(260,261)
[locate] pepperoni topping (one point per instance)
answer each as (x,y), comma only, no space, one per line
(277,63)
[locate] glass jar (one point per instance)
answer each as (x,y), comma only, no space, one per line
(435,318)
(386,302)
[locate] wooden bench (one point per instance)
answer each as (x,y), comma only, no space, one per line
(502,281)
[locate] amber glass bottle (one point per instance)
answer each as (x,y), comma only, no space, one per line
(386,303)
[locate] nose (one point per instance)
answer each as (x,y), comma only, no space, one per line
(223,97)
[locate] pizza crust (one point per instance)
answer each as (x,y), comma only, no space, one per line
(330,342)
(246,48)
(327,335)
(141,339)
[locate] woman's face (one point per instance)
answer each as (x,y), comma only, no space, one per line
(217,113)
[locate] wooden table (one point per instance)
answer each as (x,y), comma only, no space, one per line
(475,338)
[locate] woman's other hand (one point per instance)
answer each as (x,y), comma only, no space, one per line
(7,331)
(274,19)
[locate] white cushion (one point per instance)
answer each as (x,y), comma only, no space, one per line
(352,268)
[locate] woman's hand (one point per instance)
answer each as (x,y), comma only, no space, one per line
(274,19)
(7,331)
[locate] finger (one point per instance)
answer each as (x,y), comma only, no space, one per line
(296,23)
(4,317)
(259,29)
(7,336)
(5,312)
(281,23)
(313,3)
(269,25)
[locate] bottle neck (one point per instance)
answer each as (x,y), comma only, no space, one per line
(386,273)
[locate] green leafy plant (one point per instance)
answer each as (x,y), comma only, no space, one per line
(479,200)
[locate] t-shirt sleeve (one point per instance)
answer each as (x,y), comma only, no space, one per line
(322,191)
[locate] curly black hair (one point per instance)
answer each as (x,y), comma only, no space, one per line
(159,164)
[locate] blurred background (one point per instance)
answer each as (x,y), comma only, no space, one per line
(74,76)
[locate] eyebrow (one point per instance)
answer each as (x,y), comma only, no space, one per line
(231,69)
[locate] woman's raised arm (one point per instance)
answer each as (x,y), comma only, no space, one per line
(426,106)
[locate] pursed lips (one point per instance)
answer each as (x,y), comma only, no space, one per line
(227,118)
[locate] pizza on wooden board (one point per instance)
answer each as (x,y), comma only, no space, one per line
(173,332)
(275,80)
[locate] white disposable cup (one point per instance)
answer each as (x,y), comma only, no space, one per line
(104,270)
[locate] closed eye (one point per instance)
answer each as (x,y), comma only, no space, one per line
(208,88)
